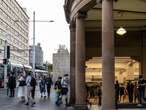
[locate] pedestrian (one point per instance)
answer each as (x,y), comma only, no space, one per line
(12,84)
(49,83)
(7,84)
(21,88)
(136,92)
(33,85)
(141,88)
(64,85)
(58,89)
(130,88)
(121,90)
(99,93)
(29,89)
(117,87)
(42,86)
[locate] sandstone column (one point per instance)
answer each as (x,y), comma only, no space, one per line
(108,88)
(143,62)
(72,64)
(80,61)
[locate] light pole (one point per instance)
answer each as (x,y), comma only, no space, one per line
(33,59)
(5,65)
(33,52)
(6,59)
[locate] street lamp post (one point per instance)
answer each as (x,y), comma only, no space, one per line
(33,60)
(5,65)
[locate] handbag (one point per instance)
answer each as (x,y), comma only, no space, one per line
(22,83)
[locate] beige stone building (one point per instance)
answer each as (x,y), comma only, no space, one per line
(105,29)
(39,58)
(61,62)
(14,29)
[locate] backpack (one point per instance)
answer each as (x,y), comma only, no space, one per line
(33,81)
(22,83)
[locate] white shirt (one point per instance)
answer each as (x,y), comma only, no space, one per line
(28,80)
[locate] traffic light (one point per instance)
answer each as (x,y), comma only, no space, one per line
(5,61)
(8,52)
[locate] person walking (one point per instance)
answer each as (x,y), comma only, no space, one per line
(117,87)
(29,88)
(58,90)
(7,84)
(12,84)
(42,86)
(65,84)
(130,89)
(21,88)
(136,93)
(121,90)
(49,83)
(99,93)
(141,88)
(33,85)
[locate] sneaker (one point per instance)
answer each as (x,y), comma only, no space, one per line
(32,105)
(27,103)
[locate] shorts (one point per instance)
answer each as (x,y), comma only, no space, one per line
(64,91)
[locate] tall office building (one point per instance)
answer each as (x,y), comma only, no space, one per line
(38,55)
(14,29)
(61,62)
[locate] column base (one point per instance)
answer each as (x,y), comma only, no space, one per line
(81,107)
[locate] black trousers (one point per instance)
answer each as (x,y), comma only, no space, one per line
(33,92)
(12,92)
(48,90)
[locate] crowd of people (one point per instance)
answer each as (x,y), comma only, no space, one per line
(94,93)
(128,92)
(134,90)
(26,87)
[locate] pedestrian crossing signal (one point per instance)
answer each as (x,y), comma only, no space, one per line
(5,61)
(8,52)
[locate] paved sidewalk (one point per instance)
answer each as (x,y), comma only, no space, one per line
(7,103)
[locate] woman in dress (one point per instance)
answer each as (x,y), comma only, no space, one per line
(21,88)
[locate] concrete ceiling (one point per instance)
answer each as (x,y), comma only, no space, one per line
(126,13)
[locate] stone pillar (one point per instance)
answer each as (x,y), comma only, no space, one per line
(80,62)
(72,64)
(143,62)
(108,76)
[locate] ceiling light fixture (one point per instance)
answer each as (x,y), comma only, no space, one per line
(121,31)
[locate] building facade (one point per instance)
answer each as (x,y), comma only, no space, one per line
(14,29)
(38,55)
(61,62)
(93,33)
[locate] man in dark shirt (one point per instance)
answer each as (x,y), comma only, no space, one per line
(12,84)
(141,88)
(49,83)
(117,87)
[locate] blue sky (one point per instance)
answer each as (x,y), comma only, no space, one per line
(50,35)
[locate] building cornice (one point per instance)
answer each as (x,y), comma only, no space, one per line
(67,9)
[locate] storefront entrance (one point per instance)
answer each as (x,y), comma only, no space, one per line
(127,70)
